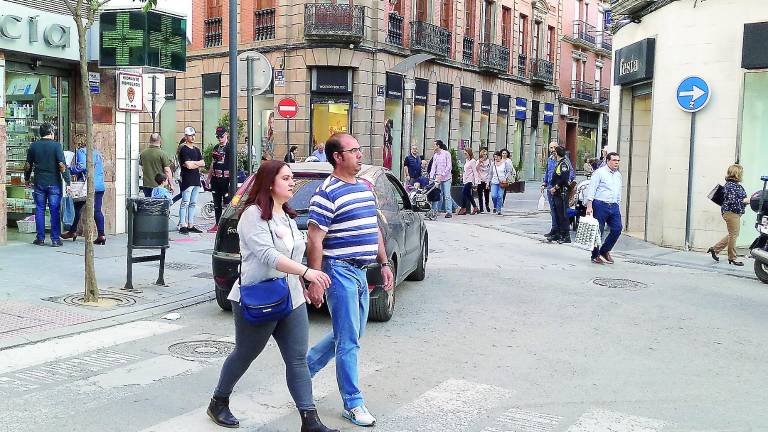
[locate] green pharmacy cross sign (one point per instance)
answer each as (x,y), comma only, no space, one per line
(136,38)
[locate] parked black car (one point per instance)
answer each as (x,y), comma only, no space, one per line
(402,223)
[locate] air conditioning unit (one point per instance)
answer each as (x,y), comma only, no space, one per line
(629,7)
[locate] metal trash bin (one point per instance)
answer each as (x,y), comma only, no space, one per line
(149,222)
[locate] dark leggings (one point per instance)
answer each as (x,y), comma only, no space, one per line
(292,336)
(220,192)
(98,216)
(484,191)
(467,198)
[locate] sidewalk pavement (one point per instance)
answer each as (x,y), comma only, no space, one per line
(41,287)
(521,217)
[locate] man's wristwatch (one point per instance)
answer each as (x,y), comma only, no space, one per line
(386,264)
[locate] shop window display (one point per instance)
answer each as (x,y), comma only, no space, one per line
(518,141)
(465,121)
(586,145)
(443,113)
(502,123)
(328,117)
(419,127)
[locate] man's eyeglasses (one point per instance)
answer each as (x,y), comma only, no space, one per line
(354,150)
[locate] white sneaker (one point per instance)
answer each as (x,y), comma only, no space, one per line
(359,416)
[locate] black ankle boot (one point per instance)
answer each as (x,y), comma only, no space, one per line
(310,422)
(218,411)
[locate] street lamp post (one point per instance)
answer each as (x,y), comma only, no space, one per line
(232,97)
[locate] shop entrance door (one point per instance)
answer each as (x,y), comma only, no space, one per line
(752,154)
(639,157)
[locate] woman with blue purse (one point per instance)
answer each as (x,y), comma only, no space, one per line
(270,300)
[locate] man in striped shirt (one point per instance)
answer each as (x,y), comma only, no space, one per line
(344,239)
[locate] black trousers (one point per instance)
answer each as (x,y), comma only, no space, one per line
(220,192)
(484,192)
(560,201)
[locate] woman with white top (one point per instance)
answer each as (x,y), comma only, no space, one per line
(499,172)
(510,170)
(483,169)
(469,180)
(271,246)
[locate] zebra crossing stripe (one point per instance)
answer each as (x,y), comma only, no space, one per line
(452,406)
(30,355)
(517,420)
(599,420)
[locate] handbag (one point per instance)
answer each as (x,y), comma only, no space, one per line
(504,184)
(717,194)
(79,190)
(588,233)
(268,300)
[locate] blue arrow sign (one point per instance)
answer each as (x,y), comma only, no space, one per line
(692,94)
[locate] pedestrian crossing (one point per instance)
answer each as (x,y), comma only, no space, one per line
(450,405)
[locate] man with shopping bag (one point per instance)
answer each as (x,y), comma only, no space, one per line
(603,201)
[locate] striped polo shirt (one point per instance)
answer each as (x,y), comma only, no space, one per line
(347,213)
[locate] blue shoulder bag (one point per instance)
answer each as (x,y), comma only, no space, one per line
(268,300)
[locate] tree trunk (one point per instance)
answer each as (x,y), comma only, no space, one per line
(91,286)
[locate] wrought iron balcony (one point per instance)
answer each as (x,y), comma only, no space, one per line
(334,22)
(584,31)
(493,58)
(603,96)
(430,39)
(395,29)
(468,50)
(213,32)
(522,63)
(606,41)
(264,24)
(582,90)
(542,71)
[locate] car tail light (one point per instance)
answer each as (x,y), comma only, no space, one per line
(220,279)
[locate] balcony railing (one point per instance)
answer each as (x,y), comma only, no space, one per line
(213,32)
(584,31)
(522,63)
(583,91)
(468,48)
(395,29)
(430,38)
(264,24)
(334,22)
(603,96)
(542,71)
(493,58)
(606,41)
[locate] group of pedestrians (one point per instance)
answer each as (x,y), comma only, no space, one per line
(272,246)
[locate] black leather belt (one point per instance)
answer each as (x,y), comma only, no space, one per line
(355,263)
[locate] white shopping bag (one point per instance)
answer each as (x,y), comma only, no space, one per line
(543,204)
(588,233)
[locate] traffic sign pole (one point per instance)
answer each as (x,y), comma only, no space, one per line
(689,203)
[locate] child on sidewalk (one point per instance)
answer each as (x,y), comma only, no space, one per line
(161,191)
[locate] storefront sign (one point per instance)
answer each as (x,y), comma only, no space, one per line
(332,80)
(485,102)
(521,108)
(444,92)
(753,52)
(37,32)
(420,92)
(394,86)
(130,96)
(549,113)
(503,107)
(212,85)
(634,63)
(135,38)
(94,82)
(467,98)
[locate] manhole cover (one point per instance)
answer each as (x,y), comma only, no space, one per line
(180,266)
(201,349)
(645,263)
(625,284)
(203,275)
(107,299)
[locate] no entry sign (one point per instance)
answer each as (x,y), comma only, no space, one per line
(287,108)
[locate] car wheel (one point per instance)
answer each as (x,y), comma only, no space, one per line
(382,305)
(221,299)
(421,270)
(761,270)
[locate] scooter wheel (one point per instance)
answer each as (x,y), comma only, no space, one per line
(761,270)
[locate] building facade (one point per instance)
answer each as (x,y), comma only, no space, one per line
(585,72)
(672,158)
(488,83)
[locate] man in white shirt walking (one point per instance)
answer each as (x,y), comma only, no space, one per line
(603,201)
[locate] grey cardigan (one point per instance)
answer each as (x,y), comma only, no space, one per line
(259,252)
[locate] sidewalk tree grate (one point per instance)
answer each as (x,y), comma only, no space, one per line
(201,350)
(625,284)
(107,300)
(645,263)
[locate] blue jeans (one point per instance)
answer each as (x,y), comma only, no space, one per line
(607,213)
(188,205)
(497,195)
(51,195)
(447,200)
(348,304)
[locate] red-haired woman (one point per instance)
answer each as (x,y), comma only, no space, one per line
(271,246)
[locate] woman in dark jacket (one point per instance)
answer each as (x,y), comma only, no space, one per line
(733,207)
(290,157)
